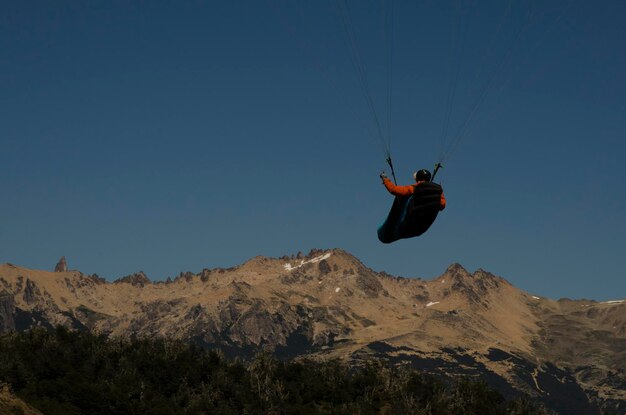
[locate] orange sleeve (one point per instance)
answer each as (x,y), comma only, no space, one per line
(442,202)
(398,190)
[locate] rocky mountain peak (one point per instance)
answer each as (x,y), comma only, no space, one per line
(489,278)
(481,278)
(61,266)
(456,270)
(476,288)
(138,279)
(459,276)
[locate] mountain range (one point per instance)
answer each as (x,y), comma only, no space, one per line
(570,354)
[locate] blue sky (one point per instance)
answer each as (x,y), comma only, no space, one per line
(173,136)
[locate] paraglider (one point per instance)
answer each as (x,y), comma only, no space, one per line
(414,209)
(416,206)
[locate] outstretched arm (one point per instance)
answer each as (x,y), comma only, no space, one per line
(397,190)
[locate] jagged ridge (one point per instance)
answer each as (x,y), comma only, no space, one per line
(329,304)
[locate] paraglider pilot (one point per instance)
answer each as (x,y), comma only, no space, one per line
(421,176)
(414,209)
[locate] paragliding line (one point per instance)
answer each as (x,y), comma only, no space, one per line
(393,173)
(437,167)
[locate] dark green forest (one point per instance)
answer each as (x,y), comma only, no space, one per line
(68,372)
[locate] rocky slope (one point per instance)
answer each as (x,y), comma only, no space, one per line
(327,304)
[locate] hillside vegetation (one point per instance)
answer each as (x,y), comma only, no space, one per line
(68,372)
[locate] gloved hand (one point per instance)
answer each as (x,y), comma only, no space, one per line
(383,176)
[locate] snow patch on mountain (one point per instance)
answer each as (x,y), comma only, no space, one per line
(290,267)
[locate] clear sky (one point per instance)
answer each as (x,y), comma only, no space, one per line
(170,136)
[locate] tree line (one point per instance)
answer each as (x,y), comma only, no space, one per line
(70,372)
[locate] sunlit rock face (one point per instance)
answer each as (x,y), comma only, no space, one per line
(61,266)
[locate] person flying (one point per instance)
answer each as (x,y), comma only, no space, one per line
(415,208)
(420,176)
